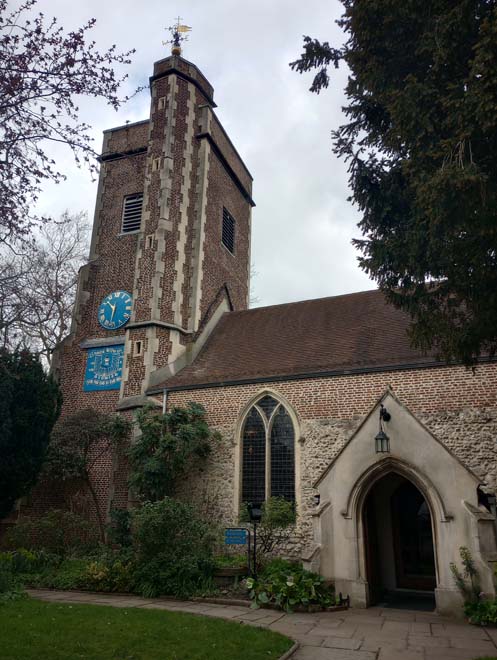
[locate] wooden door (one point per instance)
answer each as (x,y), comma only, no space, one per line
(413,539)
(373,573)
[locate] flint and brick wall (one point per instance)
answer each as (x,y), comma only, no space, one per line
(458,406)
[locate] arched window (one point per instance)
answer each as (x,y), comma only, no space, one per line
(268,452)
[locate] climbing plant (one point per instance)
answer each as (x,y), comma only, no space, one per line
(168,445)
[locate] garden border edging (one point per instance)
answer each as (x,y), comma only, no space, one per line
(291,651)
(194,599)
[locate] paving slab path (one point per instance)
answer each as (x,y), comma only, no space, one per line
(373,634)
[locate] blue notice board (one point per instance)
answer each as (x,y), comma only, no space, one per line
(235,536)
(103,368)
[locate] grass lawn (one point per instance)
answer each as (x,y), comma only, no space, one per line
(34,630)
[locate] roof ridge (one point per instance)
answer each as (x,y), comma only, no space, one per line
(300,302)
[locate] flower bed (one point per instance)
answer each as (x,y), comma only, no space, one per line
(288,586)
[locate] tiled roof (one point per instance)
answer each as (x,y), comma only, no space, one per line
(358,331)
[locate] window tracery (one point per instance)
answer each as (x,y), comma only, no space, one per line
(268,452)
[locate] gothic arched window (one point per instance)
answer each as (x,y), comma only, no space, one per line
(268,452)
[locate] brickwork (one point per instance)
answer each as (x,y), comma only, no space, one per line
(112,268)
(175,265)
(229,152)
(163,66)
(220,266)
(125,138)
(182,267)
(457,405)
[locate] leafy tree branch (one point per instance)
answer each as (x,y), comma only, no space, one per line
(166,447)
(43,72)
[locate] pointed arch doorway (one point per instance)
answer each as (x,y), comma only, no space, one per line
(399,544)
(342,554)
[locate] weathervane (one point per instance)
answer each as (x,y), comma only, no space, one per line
(178,35)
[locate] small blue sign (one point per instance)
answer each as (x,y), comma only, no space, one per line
(104,368)
(235,536)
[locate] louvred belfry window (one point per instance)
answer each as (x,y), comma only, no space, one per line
(268,452)
(228,235)
(132,213)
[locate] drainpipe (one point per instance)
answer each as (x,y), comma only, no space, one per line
(164,401)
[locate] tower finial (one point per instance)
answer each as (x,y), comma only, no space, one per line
(178,35)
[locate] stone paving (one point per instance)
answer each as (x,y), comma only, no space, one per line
(373,634)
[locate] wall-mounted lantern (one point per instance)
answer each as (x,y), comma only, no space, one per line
(382,441)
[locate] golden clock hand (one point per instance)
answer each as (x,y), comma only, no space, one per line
(113,311)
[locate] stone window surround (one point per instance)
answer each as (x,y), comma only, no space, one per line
(239,446)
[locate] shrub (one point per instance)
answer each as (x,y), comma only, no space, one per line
(173,548)
(101,576)
(288,585)
(168,446)
(69,574)
(10,587)
(119,530)
(108,571)
(478,610)
(112,571)
(29,406)
(482,613)
(231,561)
(6,577)
(23,561)
(471,592)
(57,532)
(275,529)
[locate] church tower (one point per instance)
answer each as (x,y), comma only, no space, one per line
(170,247)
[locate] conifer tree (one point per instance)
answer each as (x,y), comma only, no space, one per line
(29,406)
(421,144)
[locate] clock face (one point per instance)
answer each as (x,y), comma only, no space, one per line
(115,310)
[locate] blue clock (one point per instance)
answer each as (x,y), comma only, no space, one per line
(115,310)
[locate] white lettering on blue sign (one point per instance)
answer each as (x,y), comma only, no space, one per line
(235,536)
(103,368)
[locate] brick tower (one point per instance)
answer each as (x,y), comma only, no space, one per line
(170,248)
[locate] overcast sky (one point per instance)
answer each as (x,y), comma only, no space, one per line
(303,223)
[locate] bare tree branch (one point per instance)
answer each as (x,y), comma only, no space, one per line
(37,286)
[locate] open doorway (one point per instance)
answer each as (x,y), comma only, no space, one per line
(400,558)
